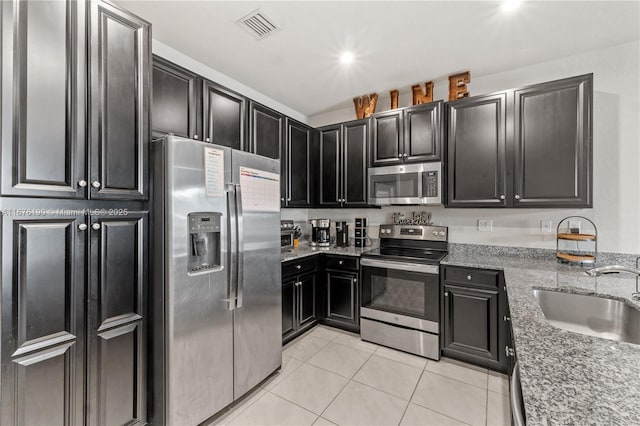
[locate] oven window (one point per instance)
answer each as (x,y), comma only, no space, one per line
(402,185)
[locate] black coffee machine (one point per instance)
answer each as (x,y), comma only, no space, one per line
(342,234)
(320,232)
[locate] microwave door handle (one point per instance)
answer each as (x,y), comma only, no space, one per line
(231,248)
(240,246)
(401,266)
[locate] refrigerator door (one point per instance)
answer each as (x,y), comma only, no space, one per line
(198,319)
(258,314)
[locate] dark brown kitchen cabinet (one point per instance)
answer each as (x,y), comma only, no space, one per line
(343,164)
(120,69)
(224,113)
(298,170)
(43,314)
(476,142)
(43,98)
(407,135)
(176,103)
(474,321)
(342,295)
(528,147)
(117,320)
(552,144)
(266,131)
(299,291)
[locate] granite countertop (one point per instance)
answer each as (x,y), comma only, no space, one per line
(566,377)
(305,250)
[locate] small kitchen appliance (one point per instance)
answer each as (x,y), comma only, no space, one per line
(412,184)
(287,234)
(320,232)
(342,234)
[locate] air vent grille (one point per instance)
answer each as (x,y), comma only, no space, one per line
(258,24)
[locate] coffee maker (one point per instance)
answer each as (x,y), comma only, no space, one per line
(342,234)
(320,232)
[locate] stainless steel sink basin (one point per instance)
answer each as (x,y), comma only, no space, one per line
(591,315)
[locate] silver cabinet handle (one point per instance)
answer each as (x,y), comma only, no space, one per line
(506,318)
(509,351)
(298,267)
(355,280)
(405,155)
(195,136)
(95,226)
(502,197)
(82,227)
(468,277)
(207,140)
(446,293)
(95,184)
(517,197)
(289,199)
(341,262)
(399,155)
(82,183)
(281,199)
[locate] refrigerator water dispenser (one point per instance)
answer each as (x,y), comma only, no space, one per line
(204,242)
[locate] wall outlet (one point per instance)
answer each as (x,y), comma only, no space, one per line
(546,227)
(575,226)
(485,225)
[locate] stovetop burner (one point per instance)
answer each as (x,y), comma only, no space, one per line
(417,244)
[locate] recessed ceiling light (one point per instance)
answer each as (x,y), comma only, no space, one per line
(346,58)
(509,5)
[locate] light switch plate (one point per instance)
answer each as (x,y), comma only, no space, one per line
(485,225)
(546,226)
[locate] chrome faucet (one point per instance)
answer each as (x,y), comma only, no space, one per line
(610,269)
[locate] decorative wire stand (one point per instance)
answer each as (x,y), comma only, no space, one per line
(576,256)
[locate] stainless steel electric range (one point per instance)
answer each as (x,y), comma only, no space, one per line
(401,289)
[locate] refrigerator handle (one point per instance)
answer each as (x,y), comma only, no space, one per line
(240,245)
(231,248)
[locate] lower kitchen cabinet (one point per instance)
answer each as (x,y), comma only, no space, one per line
(342,297)
(475,322)
(298,297)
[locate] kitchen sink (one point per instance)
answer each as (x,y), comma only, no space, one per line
(591,315)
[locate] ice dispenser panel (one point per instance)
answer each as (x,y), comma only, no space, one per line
(204,241)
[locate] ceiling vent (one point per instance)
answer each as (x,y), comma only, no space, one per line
(258,24)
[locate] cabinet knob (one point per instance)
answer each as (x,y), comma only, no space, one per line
(82,183)
(289,199)
(298,267)
(95,226)
(195,136)
(405,155)
(468,277)
(399,155)
(506,318)
(509,351)
(95,184)
(207,139)
(82,227)
(282,199)
(355,280)
(446,293)
(517,197)
(341,262)
(502,197)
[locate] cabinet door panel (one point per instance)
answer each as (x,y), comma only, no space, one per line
(476,143)
(387,138)
(43,98)
(422,133)
(471,322)
(120,91)
(42,321)
(342,297)
(288,307)
(267,131)
(174,100)
(355,142)
(552,144)
(117,356)
(224,116)
(330,191)
(307,294)
(299,176)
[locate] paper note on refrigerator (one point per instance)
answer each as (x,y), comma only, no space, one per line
(260,190)
(214,172)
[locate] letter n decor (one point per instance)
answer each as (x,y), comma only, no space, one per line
(420,97)
(365,105)
(458,85)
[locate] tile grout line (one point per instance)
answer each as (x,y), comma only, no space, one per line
(297,405)
(457,380)
(404,413)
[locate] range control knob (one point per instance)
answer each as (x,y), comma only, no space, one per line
(435,233)
(441,233)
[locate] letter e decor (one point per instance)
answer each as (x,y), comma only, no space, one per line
(420,97)
(365,105)
(458,85)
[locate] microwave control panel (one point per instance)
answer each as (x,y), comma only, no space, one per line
(430,184)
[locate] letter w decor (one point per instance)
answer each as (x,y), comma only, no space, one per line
(365,105)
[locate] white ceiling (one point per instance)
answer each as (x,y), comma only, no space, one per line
(396,43)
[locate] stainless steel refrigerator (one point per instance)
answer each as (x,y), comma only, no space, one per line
(216,284)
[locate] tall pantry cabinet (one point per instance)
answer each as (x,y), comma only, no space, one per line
(74,196)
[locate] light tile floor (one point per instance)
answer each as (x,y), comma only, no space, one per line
(331,377)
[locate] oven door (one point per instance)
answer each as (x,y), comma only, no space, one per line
(401,293)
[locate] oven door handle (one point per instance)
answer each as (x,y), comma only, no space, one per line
(401,266)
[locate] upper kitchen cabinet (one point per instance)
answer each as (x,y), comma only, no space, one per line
(175,100)
(297,175)
(528,147)
(43,98)
(552,144)
(120,69)
(408,135)
(476,143)
(224,115)
(266,131)
(343,164)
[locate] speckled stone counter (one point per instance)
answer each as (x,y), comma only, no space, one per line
(304,250)
(567,378)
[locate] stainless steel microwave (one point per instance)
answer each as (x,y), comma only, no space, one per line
(405,184)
